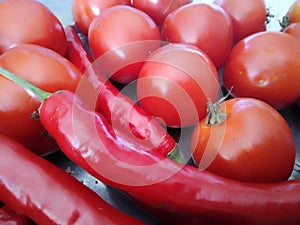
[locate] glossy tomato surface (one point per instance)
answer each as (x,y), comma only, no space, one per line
(254,144)
(45,69)
(175,83)
(30,22)
(247,17)
(205,25)
(120,38)
(294,12)
(293,29)
(158,10)
(84,11)
(265,66)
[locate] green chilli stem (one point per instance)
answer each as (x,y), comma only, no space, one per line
(39,93)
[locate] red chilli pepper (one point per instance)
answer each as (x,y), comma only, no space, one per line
(180,193)
(10,217)
(36,188)
(131,123)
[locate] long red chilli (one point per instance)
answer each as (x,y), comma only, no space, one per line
(182,191)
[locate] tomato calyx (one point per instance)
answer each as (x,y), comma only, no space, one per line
(215,114)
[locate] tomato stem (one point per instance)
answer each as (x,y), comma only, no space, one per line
(39,93)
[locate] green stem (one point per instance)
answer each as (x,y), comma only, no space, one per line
(175,155)
(39,93)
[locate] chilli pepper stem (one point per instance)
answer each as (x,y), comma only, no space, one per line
(39,93)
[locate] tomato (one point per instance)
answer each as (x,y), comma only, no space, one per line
(158,10)
(247,17)
(265,66)
(30,22)
(205,25)
(175,83)
(44,68)
(84,11)
(293,29)
(253,144)
(122,37)
(294,12)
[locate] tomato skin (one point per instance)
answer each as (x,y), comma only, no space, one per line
(84,11)
(30,22)
(123,36)
(248,17)
(254,144)
(293,29)
(158,10)
(211,32)
(175,83)
(265,66)
(294,12)
(44,68)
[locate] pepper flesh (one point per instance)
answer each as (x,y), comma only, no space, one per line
(36,188)
(175,193)
(133,125)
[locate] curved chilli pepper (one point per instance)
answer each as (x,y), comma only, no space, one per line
(183,191)
(10,217)
(36,188)
(192,196)
(133,125)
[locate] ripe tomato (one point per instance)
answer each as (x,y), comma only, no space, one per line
(294,12)
(30,22)
(84,11)
(253,144)
(247,17)
(45,69)
(265,66)
(205,25)
(158,10)
(122,37)
(175,83)
(293,29)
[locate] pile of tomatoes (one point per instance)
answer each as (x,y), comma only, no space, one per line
(182,57)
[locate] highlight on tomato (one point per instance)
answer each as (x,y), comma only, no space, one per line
(265,66)
(84,11)
(204,25)
(158,10)
(44,68)
(175,83)
(244,139)
(125,36)
(30,22)
(248,17)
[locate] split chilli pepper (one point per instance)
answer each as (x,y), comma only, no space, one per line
(175,193)
(132,124)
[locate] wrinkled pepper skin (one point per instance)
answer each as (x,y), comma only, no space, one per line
(34,187)
(10,217)
(133,125)
(168,188)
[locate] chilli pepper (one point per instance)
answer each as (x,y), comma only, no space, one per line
(176,193)
(131,123)
(10,217)
(36,188)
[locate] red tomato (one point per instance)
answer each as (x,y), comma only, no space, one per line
(175,83)
(158,10)
(294,12)
(123,36)
(44,68)
(254,143)
(247,17)
(205,25)
(265,66)
(84,11)
(30,22)
(293,29)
